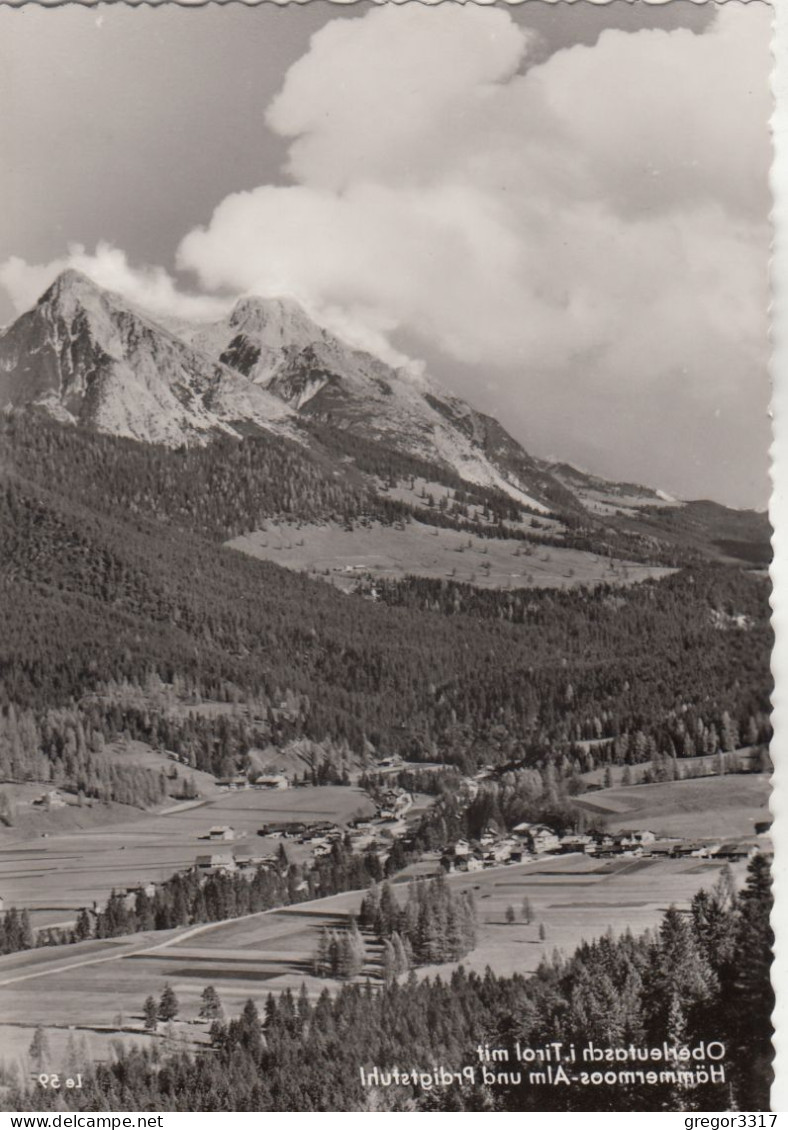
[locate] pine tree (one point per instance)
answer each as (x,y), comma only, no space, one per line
(322,958)
(72,1062)
(150,1011)
(388,962)
(752,998)
(168,1005)
(210,1006)
(403,958)
(26,939)
(39,1049)
(83,928)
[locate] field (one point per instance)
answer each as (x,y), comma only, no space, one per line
(99,987)
(705,807)
(333,553)
(56,876)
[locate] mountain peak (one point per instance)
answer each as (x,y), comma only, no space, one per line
(252,305)
(275,322)
(70,282)
(85,355)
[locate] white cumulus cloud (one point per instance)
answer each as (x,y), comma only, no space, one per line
(596,220)
(150,288)
(603,209)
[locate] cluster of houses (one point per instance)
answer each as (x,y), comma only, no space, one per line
(393,804)
(52,798)
(264,781)
(529,841)
(228,862)
(320,836)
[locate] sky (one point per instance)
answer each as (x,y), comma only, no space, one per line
(561,211)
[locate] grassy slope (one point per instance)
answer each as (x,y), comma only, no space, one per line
(331,552)
(710,806)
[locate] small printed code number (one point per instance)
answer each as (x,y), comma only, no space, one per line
(56,1082)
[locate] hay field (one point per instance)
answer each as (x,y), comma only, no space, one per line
(725,806)
(330,552)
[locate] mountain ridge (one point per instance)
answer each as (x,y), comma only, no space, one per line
(84,355)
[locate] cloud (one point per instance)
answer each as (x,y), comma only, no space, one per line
(371,96)
(595,221)
(600,215)
(150,288)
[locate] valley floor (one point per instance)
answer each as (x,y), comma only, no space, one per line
(97,988)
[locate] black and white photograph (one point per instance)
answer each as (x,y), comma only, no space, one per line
(385,625)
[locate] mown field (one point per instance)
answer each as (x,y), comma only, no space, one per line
(100,987)
(725,806)
(333,553)
(56,876)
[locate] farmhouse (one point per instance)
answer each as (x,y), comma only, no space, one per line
(523,829)
(541,839)
(394,803)
(633,837)
(490,834)
(695,849)
(271,781)
(247,863)
(221,832)
(131,893)
(290,831)
(51,799)
(216,861)
(239,781)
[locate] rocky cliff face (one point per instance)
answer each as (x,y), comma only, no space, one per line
(85,356)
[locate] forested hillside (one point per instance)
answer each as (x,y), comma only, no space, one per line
(229,488)
(501,676)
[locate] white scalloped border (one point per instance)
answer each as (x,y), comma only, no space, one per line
(778,506)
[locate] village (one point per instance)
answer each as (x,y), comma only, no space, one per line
(528,842)
(375,833)
(524,843)
(291,835)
